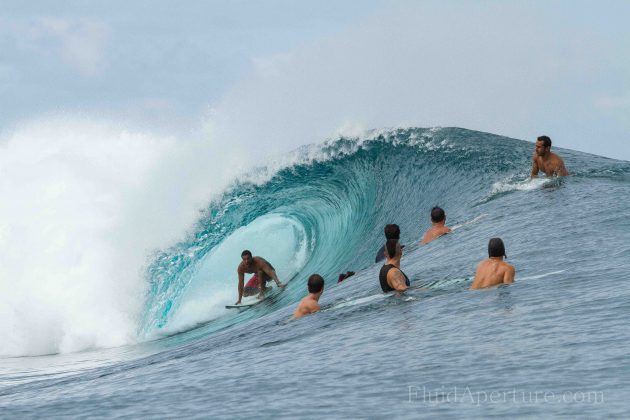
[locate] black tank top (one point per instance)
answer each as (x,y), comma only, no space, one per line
(382,277)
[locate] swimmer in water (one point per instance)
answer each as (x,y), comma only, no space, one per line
(438,228)
(310,303)
(391,277)
(493,271)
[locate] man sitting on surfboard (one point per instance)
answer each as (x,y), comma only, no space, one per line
(263,272)
(438,219)
(310,303)
(547,161)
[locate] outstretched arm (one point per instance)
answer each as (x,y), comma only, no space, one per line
(271,273)
(534,167)
(241,285)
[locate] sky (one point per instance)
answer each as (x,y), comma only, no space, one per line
(288,73)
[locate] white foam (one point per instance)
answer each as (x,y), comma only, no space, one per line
(540,276)
(513,184)
(84,204)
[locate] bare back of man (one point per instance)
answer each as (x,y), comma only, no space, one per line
(493,272)
(310,303)
(307,305)
(434,232)
(438,226)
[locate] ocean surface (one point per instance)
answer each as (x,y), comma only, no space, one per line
(551,344)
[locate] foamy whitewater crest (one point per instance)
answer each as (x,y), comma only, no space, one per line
(84,203)
(332,148)
(515,184)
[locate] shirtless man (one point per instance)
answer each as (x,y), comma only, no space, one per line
(438,220)
(493,271)
(263,272)
(310,303)
(547,161)
(391,276)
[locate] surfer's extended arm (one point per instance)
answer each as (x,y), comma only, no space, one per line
(241,284)
(267,269)
(534,167)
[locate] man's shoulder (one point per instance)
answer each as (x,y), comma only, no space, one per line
(307,303)
(555,157)
(483,262)
(508,266)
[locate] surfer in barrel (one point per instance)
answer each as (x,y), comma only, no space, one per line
(438,228)
(493,271)
(547,161)
(263,272)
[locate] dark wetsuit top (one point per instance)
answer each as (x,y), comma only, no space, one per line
(382,277)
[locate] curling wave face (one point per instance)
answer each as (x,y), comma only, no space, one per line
(324,210)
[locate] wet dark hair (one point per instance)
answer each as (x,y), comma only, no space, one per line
(437,214)
(545,139)
(246,252)
(496,248)
(315,283)
(392,231)
(390,246)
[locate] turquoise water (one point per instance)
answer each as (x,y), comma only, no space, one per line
(553,343)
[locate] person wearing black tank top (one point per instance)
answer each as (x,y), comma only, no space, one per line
(391,277)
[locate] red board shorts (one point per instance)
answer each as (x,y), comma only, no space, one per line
(253,284)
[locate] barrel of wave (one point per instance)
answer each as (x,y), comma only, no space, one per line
(279,239)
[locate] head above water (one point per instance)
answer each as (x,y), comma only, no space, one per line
(437,215)
(315,283)
(496,248)
(545,139)
(392,231)
(543,145)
